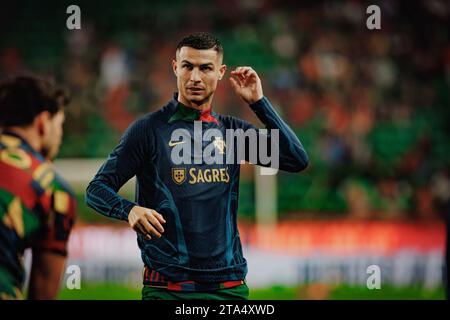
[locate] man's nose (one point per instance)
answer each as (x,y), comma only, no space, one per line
(195,75)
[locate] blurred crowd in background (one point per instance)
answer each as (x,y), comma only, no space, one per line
(370,106)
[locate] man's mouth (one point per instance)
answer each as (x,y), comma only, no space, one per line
(195,89)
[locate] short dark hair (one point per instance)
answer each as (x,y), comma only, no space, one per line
(23,97)
(201,41)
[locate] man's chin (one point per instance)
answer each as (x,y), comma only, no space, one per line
(49,153)
(197,99)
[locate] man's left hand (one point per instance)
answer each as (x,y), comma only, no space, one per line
(246,84)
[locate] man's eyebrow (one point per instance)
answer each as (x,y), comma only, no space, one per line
(202,65)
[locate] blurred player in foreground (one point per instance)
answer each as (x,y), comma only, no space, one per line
(186,214)
(37,208)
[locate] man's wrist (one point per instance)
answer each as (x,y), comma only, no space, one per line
(127,209)
(257,103)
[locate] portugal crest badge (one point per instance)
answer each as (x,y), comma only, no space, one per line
(178,175)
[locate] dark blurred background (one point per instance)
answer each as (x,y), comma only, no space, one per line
(370,106)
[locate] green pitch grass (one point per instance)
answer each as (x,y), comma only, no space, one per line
(317,291)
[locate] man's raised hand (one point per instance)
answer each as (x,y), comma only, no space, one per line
(246,84)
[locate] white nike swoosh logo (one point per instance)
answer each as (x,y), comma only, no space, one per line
(174,143)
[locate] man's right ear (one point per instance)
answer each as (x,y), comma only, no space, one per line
(42,122)
(174,67)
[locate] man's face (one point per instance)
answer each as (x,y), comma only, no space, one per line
(52,137)
(198,72)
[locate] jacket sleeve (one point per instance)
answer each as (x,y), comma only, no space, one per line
(124,162)
(292,157)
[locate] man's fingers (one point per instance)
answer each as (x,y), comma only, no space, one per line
(251,76)
(240,79)
(238,73)
(139,229)
(146,222)
(150,228)
(244,75)
(155,222)
(143,232)
(241,73)
(247,70)
(241,70)
(250,73)
(148,237)
(160,217)
(234,83)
